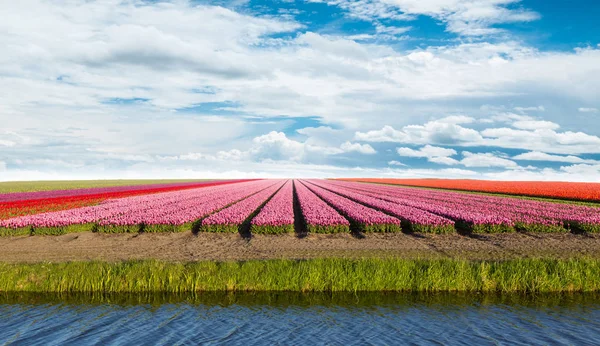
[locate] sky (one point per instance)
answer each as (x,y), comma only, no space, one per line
(477,89)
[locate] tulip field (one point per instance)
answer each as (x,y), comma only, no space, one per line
(283,206)
(547,189)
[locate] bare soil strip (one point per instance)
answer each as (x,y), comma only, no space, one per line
(183,247)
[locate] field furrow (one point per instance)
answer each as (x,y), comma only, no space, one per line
(525,215)
(235,216)
(277,216)
(318,216)
(413,219)
(361,218)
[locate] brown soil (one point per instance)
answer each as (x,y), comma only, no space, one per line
(205,246)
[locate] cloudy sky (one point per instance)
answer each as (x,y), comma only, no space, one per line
(487,89)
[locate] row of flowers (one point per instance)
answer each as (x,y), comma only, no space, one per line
(231,218)
(318,216)
(323,206)
(564,190)
(277,216)
(361,217)
(17,204)
(172,208)
(486,213)
(413,219)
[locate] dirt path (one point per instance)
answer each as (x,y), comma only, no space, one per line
(188,247)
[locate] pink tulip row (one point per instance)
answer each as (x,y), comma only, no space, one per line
(361,217)
(176,207)
(228,219)
(277,216)
(481,210)
(318,216)
(185,209)
(24,196)
(414,219)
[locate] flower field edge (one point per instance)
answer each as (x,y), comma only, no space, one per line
(164,228)
(14,232)
(377,228)
(328,229)
(219,228)
(271,229)
(408,226)
(136,228)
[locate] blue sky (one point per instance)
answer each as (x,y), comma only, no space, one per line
(484,89)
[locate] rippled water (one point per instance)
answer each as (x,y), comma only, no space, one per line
(288,318)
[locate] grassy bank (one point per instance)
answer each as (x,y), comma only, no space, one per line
(318,275)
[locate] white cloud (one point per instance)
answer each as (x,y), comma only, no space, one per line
(432,132)
(426,151)
(472,18)
(6,143)
(276,146)
(534,135)
(541,156)
(118,85)
(588,110)
(583,169)
(442,160)
(433,154)
(486,160)
(395,163)
(357,147)
(535,125)
(530,109)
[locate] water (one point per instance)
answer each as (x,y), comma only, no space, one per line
(299,319)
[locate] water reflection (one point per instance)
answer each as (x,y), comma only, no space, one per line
(294,318)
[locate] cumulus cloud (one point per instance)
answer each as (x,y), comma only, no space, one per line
(530,109)
(433,154)
(426,151)
(432,132)
(153,84)
(541,156)
(587,110)
(395,163)
(534,135)
(357,147)
(486,160)
(7,143)
(535,125)
(470,18)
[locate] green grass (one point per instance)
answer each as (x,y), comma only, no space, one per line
(13,232)
(537,228)
(410,227)
(375,228)
(270,229)
(186,227)
(63,230)
(30,186)
(119,228)
(328,229)
(318,275)
(219,228)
